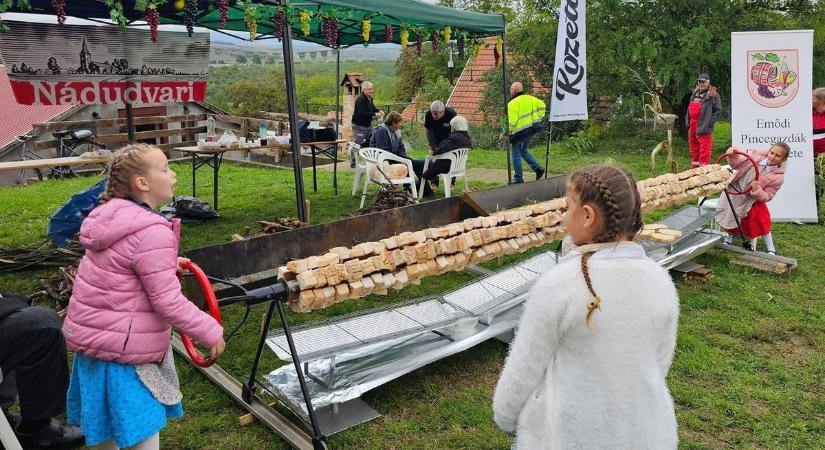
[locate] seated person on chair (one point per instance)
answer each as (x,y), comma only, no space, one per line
(458,138)
(34,366)
(437,123)
(387,136)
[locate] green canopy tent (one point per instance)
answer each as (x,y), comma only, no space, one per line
(258,17)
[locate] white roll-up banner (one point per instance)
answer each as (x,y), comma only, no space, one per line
(771,101)
(569,97)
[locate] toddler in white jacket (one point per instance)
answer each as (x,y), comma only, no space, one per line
(588,364)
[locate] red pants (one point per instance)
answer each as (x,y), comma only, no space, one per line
(701,147)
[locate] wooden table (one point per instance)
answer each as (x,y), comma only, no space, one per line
(46,163)
(213,156)
(206,156)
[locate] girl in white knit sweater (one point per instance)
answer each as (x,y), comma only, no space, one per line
(587,367)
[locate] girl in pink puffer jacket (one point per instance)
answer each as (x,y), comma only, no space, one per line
(126,296)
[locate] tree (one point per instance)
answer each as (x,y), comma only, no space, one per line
(240,59)
(247,97)
(256,58)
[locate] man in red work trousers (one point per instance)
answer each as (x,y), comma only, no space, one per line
(704,110)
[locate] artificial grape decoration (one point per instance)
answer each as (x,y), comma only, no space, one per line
(60,8)
(387,33)
(153,19)
(304,19)
(251,19)
(190,10)
(448,33)
(434,41)
(497,50)
(365,31)
(460,45)
(279,24)
(331,31)
(223,9)
(405,38)
(419,44)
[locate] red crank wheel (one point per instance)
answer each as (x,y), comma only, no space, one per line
(214,310)
(733,191)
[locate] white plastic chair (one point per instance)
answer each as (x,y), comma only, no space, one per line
(7,436)
(458,168)
(373,157)
(360,165)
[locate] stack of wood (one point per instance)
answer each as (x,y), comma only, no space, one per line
(390,196)
(278,225)
(58,288)
(345,273)
(41,256)
(659,232)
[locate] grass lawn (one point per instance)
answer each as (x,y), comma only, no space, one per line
(747,372)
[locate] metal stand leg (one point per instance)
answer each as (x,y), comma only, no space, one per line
(216,164)
(194,168)
(335,169)
(318,440)
(314,179)
(745,242)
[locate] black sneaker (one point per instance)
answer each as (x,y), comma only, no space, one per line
(56,435)
(539,173)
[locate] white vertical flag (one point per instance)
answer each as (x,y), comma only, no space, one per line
(771,101)
(569,100)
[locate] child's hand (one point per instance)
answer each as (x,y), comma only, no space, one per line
(755,185)
(216,350)
(182,261)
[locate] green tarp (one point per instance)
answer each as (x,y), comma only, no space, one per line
(415,15)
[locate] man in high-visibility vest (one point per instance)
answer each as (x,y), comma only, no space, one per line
(525,114)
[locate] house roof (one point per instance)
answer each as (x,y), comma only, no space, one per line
(469,89)
(410,113)
(353,79)
(17,119)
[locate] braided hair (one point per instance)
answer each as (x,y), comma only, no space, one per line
(129,161)
(613,193)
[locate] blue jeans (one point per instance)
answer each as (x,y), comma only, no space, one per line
(521,149)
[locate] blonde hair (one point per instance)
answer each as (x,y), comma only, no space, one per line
(613,192)
(129,162)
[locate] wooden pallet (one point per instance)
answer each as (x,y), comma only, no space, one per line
(759,260)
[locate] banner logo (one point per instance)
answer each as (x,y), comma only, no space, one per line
(773,76)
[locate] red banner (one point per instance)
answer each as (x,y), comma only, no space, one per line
(49,64)
(41,92)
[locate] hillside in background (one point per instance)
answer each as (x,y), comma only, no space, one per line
(230,53)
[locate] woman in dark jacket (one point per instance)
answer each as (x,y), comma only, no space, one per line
(458,138)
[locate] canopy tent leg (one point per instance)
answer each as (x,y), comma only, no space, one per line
(289,75)
(506,98)
(337,89)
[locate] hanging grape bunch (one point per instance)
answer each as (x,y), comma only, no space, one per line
(279,24)
(497,50)
(387,33)
(435,41)
(60,8)
(365,31)
(251,19)
(223,9)
(331,31)
(460,44)
(419,43)
(448,33)
(404,37)
(190,10)
(153,19)
(304,19)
